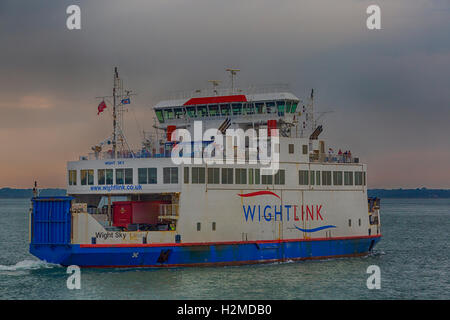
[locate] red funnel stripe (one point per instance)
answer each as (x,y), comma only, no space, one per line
(258,193)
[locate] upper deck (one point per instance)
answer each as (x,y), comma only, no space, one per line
(242,106)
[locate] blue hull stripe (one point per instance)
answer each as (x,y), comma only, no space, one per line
(214,254)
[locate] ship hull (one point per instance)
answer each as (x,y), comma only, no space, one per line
(203,254)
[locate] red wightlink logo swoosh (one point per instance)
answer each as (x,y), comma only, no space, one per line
(258,193)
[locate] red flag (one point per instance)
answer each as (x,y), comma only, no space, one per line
(101,107)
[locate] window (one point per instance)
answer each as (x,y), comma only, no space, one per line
(305,149)
(241,176)
(349,222)
(191,112)
(213,110)
(318,177)
(101,176)
(291,148)
(257,176)
(227,175)
(214,175)
(312,177)
(198,175)
(364,178)
(199,225)
(359,222)
(250,176)
(147,176)
(87,177)
(124,176)
(260,108)
(279,177)
(237,108)
(266,179)
(225,109)
(326,178)
(281,106)
(170,175)
(337,178)
(159,115)
(348,178)
(202,111)
(72,177)
(303,177)
(186,174)
(358,178)
(213,226)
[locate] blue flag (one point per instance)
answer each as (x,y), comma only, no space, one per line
(125,101)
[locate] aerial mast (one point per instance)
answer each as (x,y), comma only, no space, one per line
(233,72)
(215,83)
(114,142)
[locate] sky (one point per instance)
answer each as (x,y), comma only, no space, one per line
(389,89)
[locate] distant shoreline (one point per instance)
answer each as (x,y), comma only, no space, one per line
(422,193)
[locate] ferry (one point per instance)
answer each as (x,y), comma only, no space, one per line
(147,208)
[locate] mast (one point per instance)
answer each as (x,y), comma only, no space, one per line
(114,142)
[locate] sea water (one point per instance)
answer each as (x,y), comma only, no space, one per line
(413,257)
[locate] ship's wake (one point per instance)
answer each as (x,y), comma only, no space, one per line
(27,265)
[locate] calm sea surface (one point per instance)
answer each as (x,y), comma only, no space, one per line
(413,255)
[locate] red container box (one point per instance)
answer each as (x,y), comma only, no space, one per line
(128,212)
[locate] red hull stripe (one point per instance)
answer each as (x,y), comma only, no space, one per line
(222,99)
(258,193)
(137,245)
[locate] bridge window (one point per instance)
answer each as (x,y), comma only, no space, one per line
(248,107)
(281,106)
(72,177)
(170,175)
(326,178)
(198,175)
(237,108)
(364,178)
(303,177)
(227,175)
(159,115)
(260,108)
(191,112)
(168,114)
(202,111)
(87,177)
(318,177)
(179,113)
(348,178)
(214,175)
(279,177)
(147,175)
(294,107)
(186,174)
(270,107)
(213,110)
(241,176)
(225,109)
(337,178)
